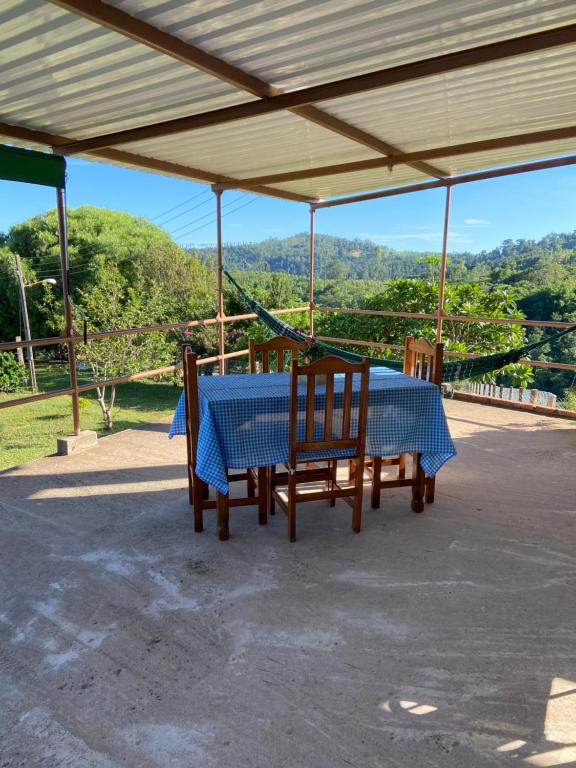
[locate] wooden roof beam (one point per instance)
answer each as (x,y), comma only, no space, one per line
(359,84)
(146,163)
(540,165)
(503,142)
(142,32)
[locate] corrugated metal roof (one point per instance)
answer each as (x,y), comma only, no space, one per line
(66,75)
(302,43)
(261,145)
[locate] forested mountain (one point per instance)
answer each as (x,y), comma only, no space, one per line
(521,263)
(335,257)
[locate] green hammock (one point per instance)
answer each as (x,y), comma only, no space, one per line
(453,370)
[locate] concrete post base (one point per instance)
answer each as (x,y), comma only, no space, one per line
(74,443)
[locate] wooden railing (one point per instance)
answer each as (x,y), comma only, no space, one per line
(74,391)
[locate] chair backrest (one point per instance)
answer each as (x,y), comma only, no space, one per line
(190,370)
(328,439)
(423,360)
(279,346)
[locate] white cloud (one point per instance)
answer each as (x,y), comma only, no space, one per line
(475,222)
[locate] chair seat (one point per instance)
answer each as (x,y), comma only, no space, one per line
(324,434)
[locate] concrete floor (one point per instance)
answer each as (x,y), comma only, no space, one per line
(445,639)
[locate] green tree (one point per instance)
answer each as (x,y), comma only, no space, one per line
(111,303)
(144,255)
(419,296)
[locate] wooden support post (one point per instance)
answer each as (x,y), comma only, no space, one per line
(534,396)
(68,319)
(311,269)
(221,342)
(442,281)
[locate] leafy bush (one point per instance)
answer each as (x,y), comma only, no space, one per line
(569,400)
(13,375)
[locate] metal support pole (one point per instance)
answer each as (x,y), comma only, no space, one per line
(442,282)
(220,316)
(68,319)
(311,270)
(26,322)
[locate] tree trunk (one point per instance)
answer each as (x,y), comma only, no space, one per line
(106,409)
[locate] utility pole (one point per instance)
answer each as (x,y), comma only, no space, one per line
(24,310)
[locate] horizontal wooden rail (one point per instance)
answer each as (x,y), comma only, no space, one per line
(127,378)
(49,341)
(145,329)
(447,317)
(34,398)
(361,343)
(118,380)
(53,340)
(253,315)
(240,353)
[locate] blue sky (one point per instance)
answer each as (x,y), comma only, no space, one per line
(483,213)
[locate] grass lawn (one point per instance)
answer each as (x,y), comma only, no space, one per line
(30,431)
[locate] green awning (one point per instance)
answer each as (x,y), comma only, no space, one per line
(32,167)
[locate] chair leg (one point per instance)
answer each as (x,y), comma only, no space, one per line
(222,512)
(292,508)
(205,490)
(430,489)
(270,481)
(250,484)
(333,470)
(418,484)
(197,504)
(401,466)
(376,479)
(190,484)
(357,509)
(262,495)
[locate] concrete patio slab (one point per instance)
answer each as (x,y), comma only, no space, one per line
(442,639)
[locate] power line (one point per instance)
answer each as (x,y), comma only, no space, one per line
(207,215)
(188,210)
(175,207)
(90,250)
(90,267)
(208,223)
(47,268)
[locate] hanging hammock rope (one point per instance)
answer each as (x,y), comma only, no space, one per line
(453,370)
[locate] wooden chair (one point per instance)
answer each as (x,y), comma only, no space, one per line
(422,360)
(198,490)
(323,432)
(279,346)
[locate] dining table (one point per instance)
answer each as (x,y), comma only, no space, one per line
(244,421)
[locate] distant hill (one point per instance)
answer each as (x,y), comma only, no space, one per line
(549,260)
(335,257)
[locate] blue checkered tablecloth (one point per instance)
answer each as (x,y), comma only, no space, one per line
(244,421)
